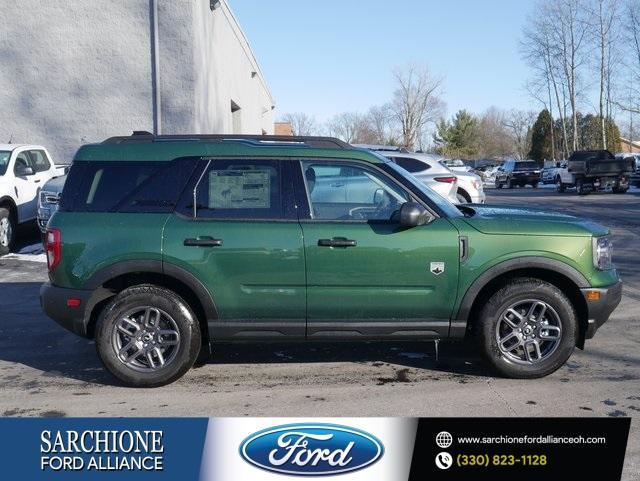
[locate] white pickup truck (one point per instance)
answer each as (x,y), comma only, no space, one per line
(24,169)
(592,170)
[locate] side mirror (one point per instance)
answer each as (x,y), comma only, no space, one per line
(23,170)
(413,214)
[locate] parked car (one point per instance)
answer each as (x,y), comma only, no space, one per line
(634,179)
(590,170)
(518,173)
(23,171)
(163,245)
(49,200)
(424,166)
(549,173)
(456,165)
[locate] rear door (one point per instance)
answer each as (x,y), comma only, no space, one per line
(237,231)
(366,275)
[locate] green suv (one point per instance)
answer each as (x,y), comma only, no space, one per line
(166,244)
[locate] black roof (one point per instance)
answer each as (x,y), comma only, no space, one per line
(139,137)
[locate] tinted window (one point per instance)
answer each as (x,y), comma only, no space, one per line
(22,161)
(350,192)
(39,161)
(240,189)
(125,186)
(524,166)
(411,165)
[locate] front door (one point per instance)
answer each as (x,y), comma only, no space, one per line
(238,233)
(367,275)
(27,187)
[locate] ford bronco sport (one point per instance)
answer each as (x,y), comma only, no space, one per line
(163,245)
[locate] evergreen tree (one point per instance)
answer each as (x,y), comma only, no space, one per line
(458,138)
(541,137)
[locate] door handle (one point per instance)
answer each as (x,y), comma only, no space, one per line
(337,184)
(203,242)
(337,242)
(36,181)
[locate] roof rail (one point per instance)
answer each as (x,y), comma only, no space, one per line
(142,137)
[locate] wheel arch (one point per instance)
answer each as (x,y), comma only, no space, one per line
(563,276)
(119,276)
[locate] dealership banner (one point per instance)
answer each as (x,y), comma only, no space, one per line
(270,449)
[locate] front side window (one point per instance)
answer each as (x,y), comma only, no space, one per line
(350,192)
(39,161)
(240,189)
(4,161)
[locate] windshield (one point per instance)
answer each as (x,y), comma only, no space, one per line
(447,207)
(4,161)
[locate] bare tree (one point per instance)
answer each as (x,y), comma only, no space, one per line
(519,123)
(604,15)
(629,101)
(416,102)
(348,126)
(301,123)
(380,126)
(569,27)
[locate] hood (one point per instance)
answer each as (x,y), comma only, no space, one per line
(502,220)
(55,185)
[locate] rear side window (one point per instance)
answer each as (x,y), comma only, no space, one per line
(126,186)
(411,165)
(239,189)
(39,161)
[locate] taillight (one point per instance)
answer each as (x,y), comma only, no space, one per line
(449,180)
(53,246)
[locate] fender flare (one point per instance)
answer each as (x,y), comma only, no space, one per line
(156,267)
(529,262)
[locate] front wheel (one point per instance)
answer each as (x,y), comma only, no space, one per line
(509,184)
(528,329)
(580,187)
(148,336)
(7,231)
(559,185)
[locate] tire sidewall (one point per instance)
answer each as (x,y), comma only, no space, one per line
(166,301)
(5,213)
(520,292)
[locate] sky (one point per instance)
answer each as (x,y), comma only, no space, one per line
(332,56)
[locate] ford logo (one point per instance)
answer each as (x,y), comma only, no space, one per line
(311,449)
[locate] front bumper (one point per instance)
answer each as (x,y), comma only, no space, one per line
(600,310)
(55,303)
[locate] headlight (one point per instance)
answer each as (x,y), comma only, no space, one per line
(602,253)
(48,197)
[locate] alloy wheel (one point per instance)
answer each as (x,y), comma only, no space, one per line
(146,339)
(528,332)
(6,232)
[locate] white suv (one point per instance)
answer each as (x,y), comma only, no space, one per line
(24,169)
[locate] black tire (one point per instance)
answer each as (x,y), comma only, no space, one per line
(580,190)
(498,185)
(559,185)
(618,190)
(7,231)
(509,184)
(173,307)
(523,290)
(534,185)
(463,196)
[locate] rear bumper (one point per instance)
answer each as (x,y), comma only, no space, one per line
(54,302)
(600,310)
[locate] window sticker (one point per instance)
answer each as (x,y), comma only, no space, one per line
(239,189)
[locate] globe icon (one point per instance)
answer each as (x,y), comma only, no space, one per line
(444,439)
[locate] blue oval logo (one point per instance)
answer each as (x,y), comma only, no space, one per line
(311,449)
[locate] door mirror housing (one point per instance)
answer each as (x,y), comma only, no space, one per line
(23,170)
(413,214)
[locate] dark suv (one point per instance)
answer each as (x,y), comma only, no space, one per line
(518,173)
(163,245)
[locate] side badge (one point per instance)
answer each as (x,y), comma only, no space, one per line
(437,268)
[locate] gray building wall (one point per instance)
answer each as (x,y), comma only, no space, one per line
(75,72)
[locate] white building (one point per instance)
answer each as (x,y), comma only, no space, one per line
(76,71)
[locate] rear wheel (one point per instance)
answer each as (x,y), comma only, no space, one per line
(620,190)
(148,336)
(498,185)
(580,187)
(527,329)
(7,231)
(534,185)
(509,184)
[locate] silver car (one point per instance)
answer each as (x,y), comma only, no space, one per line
(49,200)
(425,167)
